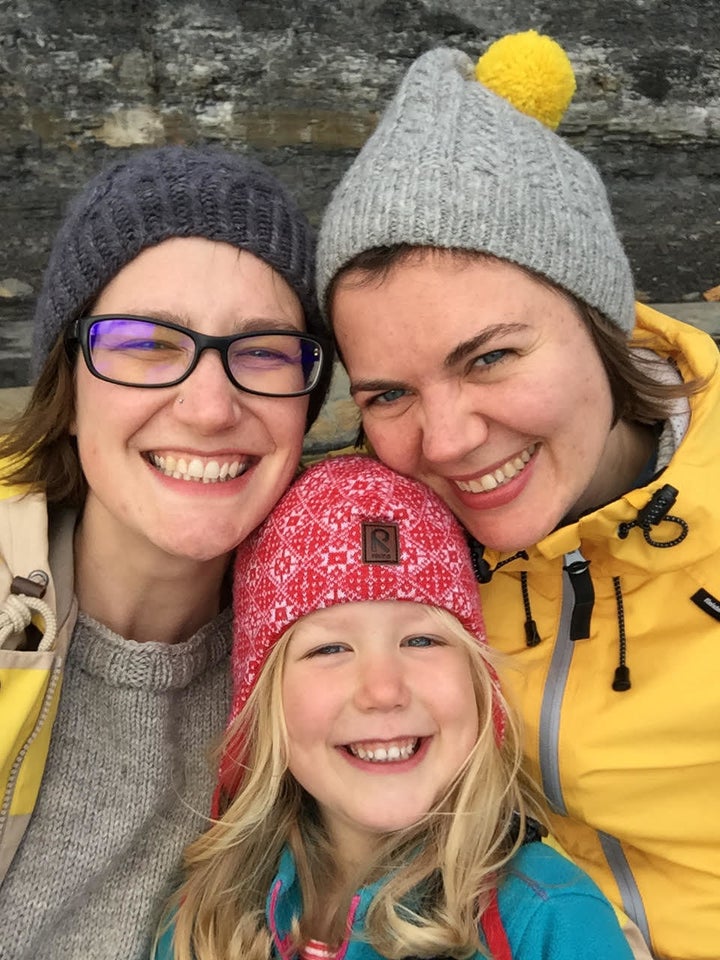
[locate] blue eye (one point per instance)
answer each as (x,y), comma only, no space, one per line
(488,359)
(421,640)
(390,396)
(327,650)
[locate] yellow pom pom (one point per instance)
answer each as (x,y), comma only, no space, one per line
(533,72)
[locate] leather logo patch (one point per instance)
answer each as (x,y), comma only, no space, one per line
(707,602)
(380,543)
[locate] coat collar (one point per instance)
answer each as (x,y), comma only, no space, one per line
(284,904)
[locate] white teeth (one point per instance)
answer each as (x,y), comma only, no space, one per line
(489,481)
(211,472)
(400,750)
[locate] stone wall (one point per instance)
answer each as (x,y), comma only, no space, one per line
(300,84)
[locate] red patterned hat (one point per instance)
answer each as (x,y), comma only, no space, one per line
(349,529)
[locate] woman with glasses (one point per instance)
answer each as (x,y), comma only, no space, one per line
(178,367)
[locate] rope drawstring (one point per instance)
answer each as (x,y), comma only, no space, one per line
(22,602)
(621,680)
(484,573)
(653,513)
(532,635)
(483,570)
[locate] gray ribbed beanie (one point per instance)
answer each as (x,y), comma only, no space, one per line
(166,192)
(454,165)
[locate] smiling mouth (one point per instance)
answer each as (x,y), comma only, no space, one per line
(387,751)
(491,481)
(197,470)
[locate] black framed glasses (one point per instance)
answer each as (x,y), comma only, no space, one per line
(142,352)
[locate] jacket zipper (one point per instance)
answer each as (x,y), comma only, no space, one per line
(629,892)
(577,596)
(553,696)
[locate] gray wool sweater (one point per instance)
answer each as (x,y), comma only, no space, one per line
(127,785)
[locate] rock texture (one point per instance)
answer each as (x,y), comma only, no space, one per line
(299,84)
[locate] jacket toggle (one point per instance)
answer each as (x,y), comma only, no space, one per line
(655,512)
(21,604)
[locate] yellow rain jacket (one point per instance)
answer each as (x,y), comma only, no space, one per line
(37,616)
(632,775)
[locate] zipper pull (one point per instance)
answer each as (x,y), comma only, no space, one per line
(576,567)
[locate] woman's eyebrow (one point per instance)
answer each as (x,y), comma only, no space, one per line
(456,355)
(241,325)
(464,349)
(281,324)
(375,386)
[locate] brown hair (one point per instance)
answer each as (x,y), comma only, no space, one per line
(638,395)
(40,450)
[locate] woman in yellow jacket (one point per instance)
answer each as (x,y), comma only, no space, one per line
(178,365)
(483,306)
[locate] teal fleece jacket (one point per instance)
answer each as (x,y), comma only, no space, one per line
(550,909)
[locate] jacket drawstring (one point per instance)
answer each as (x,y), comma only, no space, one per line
(621,680)
(532,635)
(656,511)
(653,513)
(484,573)
(25,599)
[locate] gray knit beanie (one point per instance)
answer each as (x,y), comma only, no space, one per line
(166,192)
(452,164)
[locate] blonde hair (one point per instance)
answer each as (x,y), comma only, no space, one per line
(440,872)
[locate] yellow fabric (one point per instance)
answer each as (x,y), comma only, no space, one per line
(25,688)
(29,680)
(642,765)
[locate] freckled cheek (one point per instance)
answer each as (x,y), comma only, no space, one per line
(397,446)
(592,414)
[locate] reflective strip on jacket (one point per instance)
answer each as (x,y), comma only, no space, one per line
(632,776)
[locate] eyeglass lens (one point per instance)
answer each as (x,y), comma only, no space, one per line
(144,353)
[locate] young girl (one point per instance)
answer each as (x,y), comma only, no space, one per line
(369,782)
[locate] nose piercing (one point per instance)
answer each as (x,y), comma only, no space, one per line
(181,400)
